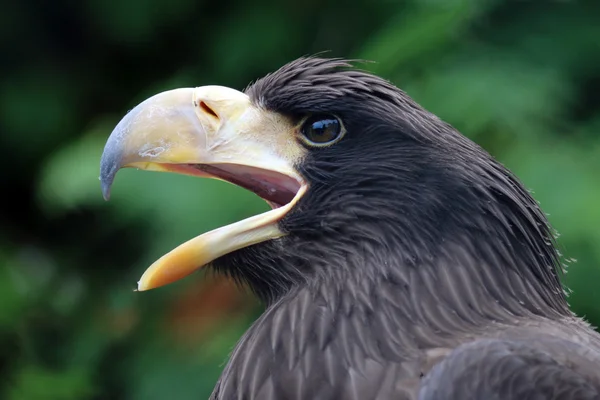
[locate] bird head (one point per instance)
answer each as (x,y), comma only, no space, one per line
(360,180)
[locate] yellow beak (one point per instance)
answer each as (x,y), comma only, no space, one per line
(213,132)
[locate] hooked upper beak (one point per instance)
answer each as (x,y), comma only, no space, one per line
(213,132)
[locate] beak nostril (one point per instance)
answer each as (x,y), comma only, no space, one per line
(204,107)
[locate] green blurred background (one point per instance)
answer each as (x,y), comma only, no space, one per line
(521,78)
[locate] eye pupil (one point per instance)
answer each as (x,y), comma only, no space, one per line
(322,129)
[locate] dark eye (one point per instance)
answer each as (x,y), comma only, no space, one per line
(320,130)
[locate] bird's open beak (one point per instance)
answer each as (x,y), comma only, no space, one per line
(213,132)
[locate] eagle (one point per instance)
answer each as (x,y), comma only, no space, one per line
(398,260)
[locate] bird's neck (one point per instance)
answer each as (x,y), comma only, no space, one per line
(466,278)
(372,302)
(378,299)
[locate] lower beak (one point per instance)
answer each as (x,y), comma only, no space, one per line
(213,132)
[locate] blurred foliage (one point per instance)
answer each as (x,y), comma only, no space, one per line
(522,78)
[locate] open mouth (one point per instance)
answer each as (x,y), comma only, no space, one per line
(275,188)
(281,191)
(210,132)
